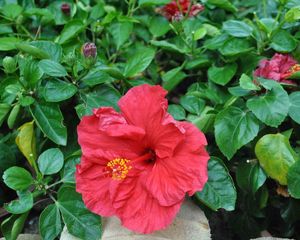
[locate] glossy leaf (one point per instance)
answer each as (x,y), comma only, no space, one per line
(192,104)
(222,75)
(282,41)
(50,120)
(17,178)
(79,221)
(294,110)
(172,78)
(237,28)
(52,68)
(121,32)
(56,90)
(21,205)
(250,176)
(293,180)
(50,222)
(219,191)
(26,142)
(13,226)
(51,161)
(139,61)
(233,129)
(275,156)
(271,108)
(71,30)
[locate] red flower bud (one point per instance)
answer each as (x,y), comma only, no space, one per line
(89,50)
(174,11)
(65,8)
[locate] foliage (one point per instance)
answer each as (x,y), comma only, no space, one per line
(206,63)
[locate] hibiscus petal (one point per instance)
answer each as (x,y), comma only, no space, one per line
(94,188)
(186,171)
(115,125)
(138,210)
(145,107)
(93,141)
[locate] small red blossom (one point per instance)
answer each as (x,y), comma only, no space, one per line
(89,50)
(139,163)
(174,12)
(66,8)
(279,68)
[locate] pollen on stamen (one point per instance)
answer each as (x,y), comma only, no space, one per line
(118,168)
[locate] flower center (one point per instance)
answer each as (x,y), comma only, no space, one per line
(118,168)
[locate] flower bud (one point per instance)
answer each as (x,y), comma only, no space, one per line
(89,50)
(9,64)
(65,8)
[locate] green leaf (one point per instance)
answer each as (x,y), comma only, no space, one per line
(167,46)
(105,96)
(271,108)
(8,43)
(250,176)
(71,30)
(222,75)
(13,116)
(275,156)
(80,222)
(7,157)
(224,4)
(50,222)
(159,26)
(26,142)
(31,72)
(50,120)
(176,111)
(13,226)
(237,28)
(282,41)
(139,61)
(293,14)
(199,62)
(192,104)
(293,180)
(235,47)
(51,161)
(153,2)
(25,101)
(219,190)
(56,90)
(233,129)
(21,205)
(52,49)
(69,169)
(96,76)
(32,50)
(294,110)
(52,68)
(17,178)
(120,32)
(12,10)
(4,110)
(205,121)
(172,78)
(247,83)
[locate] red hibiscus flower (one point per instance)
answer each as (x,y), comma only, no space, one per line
(139,163)
(279,68)
(174,11)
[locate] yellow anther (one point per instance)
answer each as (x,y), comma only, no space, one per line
(118,168)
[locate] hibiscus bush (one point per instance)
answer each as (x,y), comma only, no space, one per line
(84,135)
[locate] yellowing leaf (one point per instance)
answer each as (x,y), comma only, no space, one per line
(25,141)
